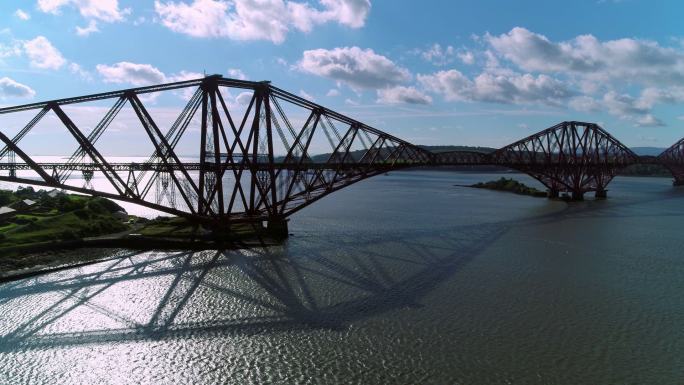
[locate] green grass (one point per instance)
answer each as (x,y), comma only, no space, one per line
(61,227)
(169,227)
(67,217)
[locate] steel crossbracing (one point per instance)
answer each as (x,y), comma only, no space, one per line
(673,159)
(254,159)
(576,157)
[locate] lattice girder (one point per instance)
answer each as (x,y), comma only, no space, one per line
(576,157)
(255,159)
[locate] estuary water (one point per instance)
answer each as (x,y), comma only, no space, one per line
(400,279)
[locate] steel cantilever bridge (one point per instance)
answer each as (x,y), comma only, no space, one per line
(254,159)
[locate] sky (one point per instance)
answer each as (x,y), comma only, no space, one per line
(432,72)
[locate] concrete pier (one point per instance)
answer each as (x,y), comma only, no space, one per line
(277,227)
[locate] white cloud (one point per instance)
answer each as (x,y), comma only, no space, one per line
(133,73)
(257,19)
(623,105)
(439,56)
(22,15)
(630,108)
(639,61)
(90,28)
(651,96)
(78,70)
(11,89)
(351,13)
(354,66)
(236,74)
(243,98)
(333,92)
(14,48)
(625,77)
(104,10)
(43,54)
(306,96)
(138,74)
(185,93)
(585,104)
(400,94)
(497,88)
(183,76)
(466,57)
(649,120)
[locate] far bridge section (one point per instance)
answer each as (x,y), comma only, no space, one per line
(673,160)
(573,157)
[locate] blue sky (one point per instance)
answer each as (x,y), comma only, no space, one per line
(432,72)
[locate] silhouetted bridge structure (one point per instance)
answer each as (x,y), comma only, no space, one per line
(253,159)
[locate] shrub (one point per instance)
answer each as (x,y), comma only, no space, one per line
(82,214)
(6,197)
(21,220)
(102,205)
(66,203)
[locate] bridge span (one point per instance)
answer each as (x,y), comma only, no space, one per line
(254,161)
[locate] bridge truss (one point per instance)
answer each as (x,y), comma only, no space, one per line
(673,159)
(253,153)
(576,157)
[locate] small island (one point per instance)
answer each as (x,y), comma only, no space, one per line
(511,185)
(36,225)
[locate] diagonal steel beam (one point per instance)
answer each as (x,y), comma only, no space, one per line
(100,161)
(152,131)
(13,147)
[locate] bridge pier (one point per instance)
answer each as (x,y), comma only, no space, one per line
(553,194)
(678,182)
(277,227)
(601,194)
(577,195)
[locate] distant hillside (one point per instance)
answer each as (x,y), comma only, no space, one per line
(322,158)
(458,148)
(652,151)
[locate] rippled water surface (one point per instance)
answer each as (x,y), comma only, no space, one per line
(403,278)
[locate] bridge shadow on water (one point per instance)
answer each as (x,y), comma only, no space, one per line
(305,284)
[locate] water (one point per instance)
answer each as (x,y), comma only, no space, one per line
(399,279)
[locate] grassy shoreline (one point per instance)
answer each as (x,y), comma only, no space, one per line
(41,225)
